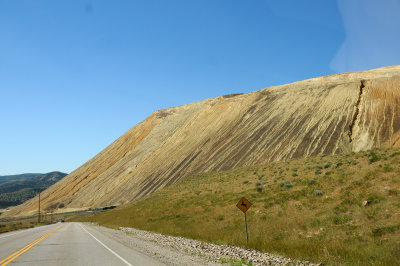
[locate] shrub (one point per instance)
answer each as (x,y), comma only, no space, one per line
(326,165)
(394,154)
(286,185)
(379,231)
(341,172)
(340,219)
(387,168)
(373,157)
(312,182)
(338,163)
(259,189)
(317,192)
(317,170)
(375,198)
(294,174)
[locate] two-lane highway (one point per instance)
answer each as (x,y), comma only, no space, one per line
(67,244)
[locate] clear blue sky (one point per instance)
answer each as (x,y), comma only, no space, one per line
(75,75)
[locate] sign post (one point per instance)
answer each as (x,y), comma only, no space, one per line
(39,210)
(244,205)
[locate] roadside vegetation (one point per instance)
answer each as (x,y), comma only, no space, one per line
(12,226)
(17,223)
(336,209)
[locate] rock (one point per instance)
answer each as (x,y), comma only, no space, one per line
(215,252)
(366,203)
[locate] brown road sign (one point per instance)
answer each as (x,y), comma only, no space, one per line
(243,204)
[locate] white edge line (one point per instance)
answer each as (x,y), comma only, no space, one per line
(109,249)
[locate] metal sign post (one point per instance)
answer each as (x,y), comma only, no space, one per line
(245,224)
(244,205)
(39,210)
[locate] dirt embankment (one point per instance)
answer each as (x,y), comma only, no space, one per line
(325,115)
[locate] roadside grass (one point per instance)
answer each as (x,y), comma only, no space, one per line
(308,208)
(12,226)
(17,223)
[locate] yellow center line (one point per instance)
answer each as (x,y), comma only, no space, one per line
(27,247)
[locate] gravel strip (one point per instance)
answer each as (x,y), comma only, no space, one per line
(182,251)
(168,254)
(212,251)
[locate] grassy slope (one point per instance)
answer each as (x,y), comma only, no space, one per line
(309,208)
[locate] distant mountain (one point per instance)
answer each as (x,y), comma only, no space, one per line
(26,186)
(6,178)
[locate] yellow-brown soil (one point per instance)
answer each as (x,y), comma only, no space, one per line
(326,115)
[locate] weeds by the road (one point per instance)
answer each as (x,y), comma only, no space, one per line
(12,226)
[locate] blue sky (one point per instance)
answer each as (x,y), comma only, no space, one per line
(76,75)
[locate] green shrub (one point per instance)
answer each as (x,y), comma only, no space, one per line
(341,172)
(317,193)
(387,168)
(340,219)
(373,157)
(326,165)
(375,198)
(312,182)
(380,231)
(317,170)
(286,185)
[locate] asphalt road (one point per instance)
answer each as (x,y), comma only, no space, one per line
(67,244)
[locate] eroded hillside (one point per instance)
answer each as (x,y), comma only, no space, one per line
(332,114)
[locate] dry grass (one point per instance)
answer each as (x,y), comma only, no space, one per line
(17,225)
(309,208)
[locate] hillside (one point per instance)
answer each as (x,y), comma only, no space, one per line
(7,178)
(309,208)
(19,190)
(327,115)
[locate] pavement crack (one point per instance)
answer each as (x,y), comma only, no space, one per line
(358,105)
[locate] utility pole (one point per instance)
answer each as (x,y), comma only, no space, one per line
(39,210)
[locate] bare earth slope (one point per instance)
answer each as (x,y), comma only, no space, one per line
(333,114)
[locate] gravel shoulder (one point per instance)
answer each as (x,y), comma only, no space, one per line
(182,251)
